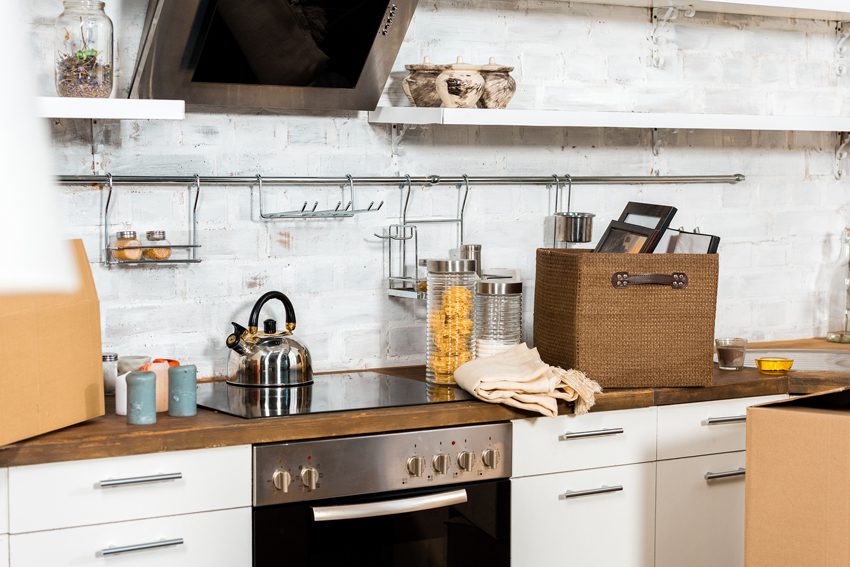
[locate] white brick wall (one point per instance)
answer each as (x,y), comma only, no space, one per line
(779,229)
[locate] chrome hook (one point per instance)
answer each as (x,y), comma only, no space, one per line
(557,192)
(569,191)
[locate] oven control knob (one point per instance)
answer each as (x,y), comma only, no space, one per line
(490,458)
(441,463)
(465,460)
(310,477)
(416,466)
(281,480)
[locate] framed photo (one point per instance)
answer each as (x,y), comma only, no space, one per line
(656,217)
(621,237)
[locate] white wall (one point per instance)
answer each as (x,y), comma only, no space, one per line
(779,229)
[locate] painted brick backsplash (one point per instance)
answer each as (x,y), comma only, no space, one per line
(780,228)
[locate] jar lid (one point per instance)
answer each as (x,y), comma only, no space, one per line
(426,65)
(438,266)
(156,235)
(126,234)
(575,215)
(461,66)
(110,357)
(499,287)
(492,67)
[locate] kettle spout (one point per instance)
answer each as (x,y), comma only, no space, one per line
(234,340)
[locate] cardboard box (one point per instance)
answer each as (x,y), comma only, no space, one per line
(51,374)
(798,481)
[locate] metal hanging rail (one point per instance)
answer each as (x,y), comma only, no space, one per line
(396,181)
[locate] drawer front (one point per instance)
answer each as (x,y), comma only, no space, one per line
(4,501)
(704,428)
(611,525)
(210,539)
(78,493)
(4,551)
(700,522)
(567,443)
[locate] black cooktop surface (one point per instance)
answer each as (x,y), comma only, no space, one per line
(329,392)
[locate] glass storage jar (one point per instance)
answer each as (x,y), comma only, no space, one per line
(160,248)
(126,238)
(498,316)
(83,45)
(450,336)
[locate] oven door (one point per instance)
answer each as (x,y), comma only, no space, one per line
(455,525)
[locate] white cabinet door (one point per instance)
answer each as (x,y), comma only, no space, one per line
(570,443)
(4,501)
(210,539)
(594,518)
(98,491)
(700,523)
(4,551)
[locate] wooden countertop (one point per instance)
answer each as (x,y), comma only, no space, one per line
(110,436)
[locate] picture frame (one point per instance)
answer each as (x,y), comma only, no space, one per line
(656,217)
(622,237)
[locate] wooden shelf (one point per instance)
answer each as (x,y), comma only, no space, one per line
(808,9)
(591,119)
(110,108)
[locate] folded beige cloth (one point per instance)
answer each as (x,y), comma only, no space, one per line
(519,378)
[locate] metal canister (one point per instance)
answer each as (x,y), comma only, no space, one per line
(572,228)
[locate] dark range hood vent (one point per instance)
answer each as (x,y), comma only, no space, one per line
(270,54)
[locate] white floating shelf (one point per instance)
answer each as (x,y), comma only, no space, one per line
(808,9)
(592,119)
(110,108)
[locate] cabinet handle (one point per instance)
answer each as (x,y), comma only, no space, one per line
(727,419)
(595,433)
(139,479)
(139,547)
(709,476)
(601,490)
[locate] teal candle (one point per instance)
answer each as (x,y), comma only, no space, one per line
(182,391)
(141,398)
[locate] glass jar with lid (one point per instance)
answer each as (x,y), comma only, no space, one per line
(450,335)
(127,246)
(498,316)
(83,45)
(160,248)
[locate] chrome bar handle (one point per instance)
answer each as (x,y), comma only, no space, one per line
(139,547)
(594,433)
(112,482)
(709,476)
(389,507)
(601,490)
(727,419)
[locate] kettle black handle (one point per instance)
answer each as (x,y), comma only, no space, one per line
(254,319)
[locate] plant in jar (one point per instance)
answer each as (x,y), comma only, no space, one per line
(83,50)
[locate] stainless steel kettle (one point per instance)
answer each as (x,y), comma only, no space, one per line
(268,358)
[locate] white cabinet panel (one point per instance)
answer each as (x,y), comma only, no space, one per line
(567,443)
(60,495)
(703,428)
(700,523)
(4,501)
(551,526)
(4,551)
(211,539)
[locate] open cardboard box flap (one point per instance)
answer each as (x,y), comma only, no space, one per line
(50,349)
(797,489)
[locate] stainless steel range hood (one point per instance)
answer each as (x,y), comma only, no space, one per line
(270,54)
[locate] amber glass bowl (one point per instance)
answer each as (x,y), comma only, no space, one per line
(774,366)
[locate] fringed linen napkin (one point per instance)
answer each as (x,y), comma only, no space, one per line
(519,378)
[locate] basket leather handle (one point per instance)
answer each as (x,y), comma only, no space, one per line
(676,280)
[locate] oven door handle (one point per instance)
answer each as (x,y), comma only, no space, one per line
(389,507)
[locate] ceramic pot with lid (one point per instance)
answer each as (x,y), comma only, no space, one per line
(499,86)
(420,84)
(461,85)
(268,358)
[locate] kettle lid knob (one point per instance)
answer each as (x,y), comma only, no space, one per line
(269,326)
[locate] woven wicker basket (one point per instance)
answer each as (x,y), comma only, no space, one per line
(654,331)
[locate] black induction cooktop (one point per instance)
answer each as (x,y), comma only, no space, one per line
(328,392)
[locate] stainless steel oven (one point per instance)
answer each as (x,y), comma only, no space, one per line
(432,498)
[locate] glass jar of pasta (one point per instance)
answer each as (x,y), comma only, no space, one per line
(450,337)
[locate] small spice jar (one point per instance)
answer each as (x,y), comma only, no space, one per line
(498,316)
(83,44)
(160,248)
(110,371)
(450,336)
(126,238)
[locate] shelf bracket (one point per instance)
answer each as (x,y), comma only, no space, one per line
(657,142)
(841,150)
(397,132)
(843,32)
(662,18)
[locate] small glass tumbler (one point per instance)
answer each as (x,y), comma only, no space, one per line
(731,353)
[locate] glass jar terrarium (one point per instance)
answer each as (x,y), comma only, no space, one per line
(83,44)
(450,339)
